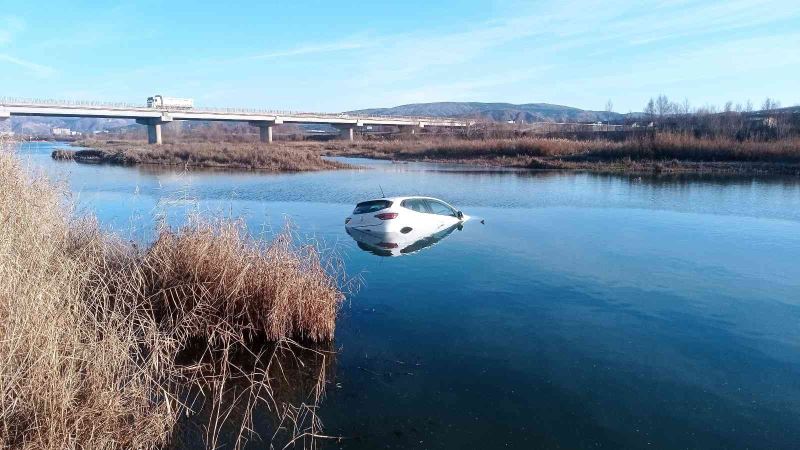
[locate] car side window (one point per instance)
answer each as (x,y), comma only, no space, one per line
(416,204)
(440,208)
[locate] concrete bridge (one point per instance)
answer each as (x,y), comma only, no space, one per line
(155,118)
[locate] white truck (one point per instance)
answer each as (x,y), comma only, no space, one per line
(161,102)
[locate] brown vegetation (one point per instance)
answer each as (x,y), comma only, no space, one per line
(242,155)
(106,345)
(643,152)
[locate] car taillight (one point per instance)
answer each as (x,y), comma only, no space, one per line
(386,216)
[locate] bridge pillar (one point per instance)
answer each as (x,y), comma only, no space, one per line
(154,133)
(264,130)
(266,134)
(409,129)
(154,128)
(346,131)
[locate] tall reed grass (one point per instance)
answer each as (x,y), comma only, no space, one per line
(108,345)
(658,146)
(232,155)
(642,152)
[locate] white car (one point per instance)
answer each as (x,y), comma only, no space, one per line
(422,215)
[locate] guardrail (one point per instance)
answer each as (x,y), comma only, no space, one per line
(43,102)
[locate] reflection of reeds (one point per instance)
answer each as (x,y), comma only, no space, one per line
(285,378)
(102,341)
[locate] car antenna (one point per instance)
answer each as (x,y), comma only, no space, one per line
(382,194)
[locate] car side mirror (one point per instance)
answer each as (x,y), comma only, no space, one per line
(460,215)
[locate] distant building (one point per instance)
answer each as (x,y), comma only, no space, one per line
(64,132)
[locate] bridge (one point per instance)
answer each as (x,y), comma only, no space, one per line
(155,118)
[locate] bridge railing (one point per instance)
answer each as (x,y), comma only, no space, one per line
(22,101)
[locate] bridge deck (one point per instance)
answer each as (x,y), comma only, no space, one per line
(115,111)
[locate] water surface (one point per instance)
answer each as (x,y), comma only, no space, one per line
(589,311)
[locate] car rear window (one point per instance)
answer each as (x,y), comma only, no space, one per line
(371,206)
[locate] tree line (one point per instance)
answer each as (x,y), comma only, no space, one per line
(734,120)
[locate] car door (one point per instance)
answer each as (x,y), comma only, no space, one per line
(444,214)
(419,216)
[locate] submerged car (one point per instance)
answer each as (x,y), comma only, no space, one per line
(421,215)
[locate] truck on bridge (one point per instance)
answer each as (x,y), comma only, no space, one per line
(161,102)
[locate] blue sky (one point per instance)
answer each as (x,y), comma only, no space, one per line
(334,56)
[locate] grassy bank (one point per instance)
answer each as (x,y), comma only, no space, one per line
(103,342)
(242,156)
(647,152)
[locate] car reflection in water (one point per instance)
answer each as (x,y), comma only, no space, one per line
(398,244)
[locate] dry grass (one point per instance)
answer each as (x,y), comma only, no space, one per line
(645,152)
(242,155)
(102,342)
(272,289)
(642,152)
(660,146)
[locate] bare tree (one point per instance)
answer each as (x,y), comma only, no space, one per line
(687,107)
(662,105)
(770,104)
(650,110)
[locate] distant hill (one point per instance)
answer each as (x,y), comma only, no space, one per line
(498,112)
(43,125)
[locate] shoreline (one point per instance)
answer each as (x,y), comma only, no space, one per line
(631,158)
(204,155)
(645,167)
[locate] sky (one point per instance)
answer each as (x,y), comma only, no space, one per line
(338,56)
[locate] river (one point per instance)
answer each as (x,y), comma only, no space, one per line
(585,311)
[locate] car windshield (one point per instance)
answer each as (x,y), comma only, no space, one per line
(371,206)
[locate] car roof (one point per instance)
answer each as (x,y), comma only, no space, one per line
(399,199)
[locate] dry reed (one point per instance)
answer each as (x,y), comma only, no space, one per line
(642,151)
(247,156)
(106,345)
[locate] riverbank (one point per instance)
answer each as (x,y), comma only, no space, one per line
(647,153)
(107,344)
(660,153)
(241,156)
